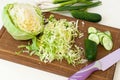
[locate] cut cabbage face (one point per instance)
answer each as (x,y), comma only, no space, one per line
(23,21)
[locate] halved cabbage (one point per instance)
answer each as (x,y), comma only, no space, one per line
(22,21)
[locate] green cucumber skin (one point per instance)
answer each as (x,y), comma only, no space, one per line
(92,17)
(90,50)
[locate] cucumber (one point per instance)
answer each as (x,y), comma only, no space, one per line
(101,35)
(94,37)
(108,34)
(92,30)
(104,38)
(107,43)
(92,17)
(90,50)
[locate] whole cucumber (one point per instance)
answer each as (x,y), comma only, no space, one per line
(83,15)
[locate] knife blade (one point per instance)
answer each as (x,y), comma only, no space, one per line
(101,64)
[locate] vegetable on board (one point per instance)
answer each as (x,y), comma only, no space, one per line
(103,38)
(96,37)
(90,50)
(57,42)
(22,21)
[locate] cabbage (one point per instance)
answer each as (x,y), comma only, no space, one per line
(56,42)
(22,21)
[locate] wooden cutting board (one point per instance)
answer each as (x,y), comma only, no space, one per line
(8,47)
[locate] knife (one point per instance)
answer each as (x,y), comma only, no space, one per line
(101,64)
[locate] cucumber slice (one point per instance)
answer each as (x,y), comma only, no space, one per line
(92,30)
(101,35)
(107,43)
(104,38)
(94,37)
(108,34)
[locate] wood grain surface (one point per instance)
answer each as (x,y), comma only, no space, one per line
(8,47)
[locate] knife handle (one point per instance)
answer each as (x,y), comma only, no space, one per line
(85,72)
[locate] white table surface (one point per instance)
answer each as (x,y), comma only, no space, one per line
(110,10)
